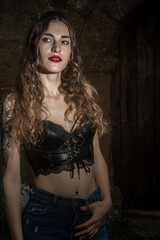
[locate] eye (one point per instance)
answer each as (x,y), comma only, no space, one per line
(46,40)
(65,42)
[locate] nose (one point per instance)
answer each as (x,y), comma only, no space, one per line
(56,47)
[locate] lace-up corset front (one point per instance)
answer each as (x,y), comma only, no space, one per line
(62,150)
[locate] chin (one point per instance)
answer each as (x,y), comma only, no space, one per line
(49,70)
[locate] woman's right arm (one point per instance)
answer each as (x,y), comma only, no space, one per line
(11,177)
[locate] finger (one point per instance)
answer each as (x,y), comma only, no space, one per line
(91,221)
(90,234)
(83,208)
(95,230)
(93,233)
(87,232)
(82,233)
(90,207)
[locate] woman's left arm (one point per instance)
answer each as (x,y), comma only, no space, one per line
(98,209)
(101,173)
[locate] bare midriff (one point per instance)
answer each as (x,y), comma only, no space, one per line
(63,185)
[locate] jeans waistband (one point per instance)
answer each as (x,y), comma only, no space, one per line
(51,197)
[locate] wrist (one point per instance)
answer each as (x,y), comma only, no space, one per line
(17,237)
(107,202)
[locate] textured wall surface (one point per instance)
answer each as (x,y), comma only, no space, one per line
(97,25)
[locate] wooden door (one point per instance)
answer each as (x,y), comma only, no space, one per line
(135,98)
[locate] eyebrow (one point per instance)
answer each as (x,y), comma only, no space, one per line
(51,35)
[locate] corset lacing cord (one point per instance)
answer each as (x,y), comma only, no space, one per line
(74,156)
(85,166)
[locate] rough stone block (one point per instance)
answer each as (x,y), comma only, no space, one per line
(77,23)
(99,63)
(29,6)
(13,21)
(78,5)
(112,8)
(97,34)
(10,53)
(101,81)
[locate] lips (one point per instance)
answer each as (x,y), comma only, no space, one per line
(55,59)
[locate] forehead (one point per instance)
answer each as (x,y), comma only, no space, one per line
(58,28)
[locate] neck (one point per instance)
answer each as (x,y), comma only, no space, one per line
(50,83)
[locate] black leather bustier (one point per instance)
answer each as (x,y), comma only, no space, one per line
(61,150)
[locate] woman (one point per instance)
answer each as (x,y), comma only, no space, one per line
(53,115)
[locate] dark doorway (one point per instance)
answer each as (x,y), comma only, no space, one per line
(136,111)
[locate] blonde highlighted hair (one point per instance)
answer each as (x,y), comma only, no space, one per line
(27,120)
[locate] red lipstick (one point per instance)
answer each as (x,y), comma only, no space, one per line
(55,59)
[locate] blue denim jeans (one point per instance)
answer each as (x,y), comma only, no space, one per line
(51,217)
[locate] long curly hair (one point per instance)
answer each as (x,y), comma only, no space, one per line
(27,120)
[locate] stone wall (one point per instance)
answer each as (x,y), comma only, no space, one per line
(97,25)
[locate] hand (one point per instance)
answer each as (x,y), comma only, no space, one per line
(99,210)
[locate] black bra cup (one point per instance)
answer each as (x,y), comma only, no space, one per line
(61,150)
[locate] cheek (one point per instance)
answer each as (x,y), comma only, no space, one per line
(66,52)
(69,54)
(43,53)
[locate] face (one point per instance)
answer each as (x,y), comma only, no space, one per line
(54,48)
